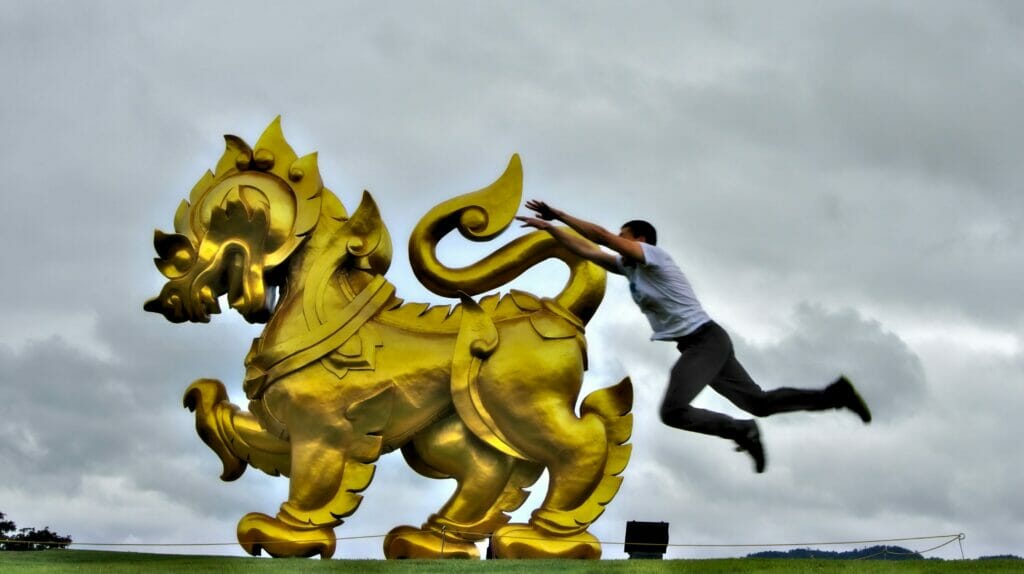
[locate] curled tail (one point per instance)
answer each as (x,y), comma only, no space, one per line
(481,216)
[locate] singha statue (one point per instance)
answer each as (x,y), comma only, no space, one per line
(484,392)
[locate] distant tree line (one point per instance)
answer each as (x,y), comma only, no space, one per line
(870,553)
(13,538)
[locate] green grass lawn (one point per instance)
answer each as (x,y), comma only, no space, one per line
(89,561)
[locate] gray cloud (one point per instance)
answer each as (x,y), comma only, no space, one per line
(839,181)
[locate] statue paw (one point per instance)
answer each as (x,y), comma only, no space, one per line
(208,399)
(411,542)
(519,541)
(257,532)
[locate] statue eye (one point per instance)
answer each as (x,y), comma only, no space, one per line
(176,253)
(183,259)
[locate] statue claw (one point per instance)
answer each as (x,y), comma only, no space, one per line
(258,532)
(526,541)
(208,399)
(411,542)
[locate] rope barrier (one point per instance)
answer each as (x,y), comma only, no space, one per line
(949,539)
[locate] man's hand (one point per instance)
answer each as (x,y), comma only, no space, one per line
(591,233)
(544,211)
(534,222)
(569,239)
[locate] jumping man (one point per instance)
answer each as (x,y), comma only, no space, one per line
(665,296)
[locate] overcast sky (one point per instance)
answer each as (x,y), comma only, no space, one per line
(841,181)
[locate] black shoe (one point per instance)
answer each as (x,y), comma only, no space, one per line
(843,395)
(750,441)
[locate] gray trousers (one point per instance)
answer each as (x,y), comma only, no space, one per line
(707,358)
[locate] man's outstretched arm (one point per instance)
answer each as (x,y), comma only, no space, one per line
(574,243)
(591,231)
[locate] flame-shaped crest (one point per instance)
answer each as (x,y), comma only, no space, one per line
(269,175)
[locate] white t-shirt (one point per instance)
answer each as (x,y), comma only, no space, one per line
(664,294)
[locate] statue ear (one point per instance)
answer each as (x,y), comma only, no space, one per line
(369,242)
(365,228)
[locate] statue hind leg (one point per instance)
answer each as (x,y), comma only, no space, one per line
(584,456)
(490,484)
(519,401)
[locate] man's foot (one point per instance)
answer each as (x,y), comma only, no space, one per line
(749,440)
(843,395)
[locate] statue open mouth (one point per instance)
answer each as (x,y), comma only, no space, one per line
(183,300)
(194,296)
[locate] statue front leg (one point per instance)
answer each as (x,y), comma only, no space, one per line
(331,462)
(239,440)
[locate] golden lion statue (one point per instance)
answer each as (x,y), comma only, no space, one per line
(344,371)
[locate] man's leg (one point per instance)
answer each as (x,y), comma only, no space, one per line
(702,358)
(735,384)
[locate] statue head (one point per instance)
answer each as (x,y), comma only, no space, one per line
(239,224)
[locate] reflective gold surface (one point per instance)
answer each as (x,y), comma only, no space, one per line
(344,371)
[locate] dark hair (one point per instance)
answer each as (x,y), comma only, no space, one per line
(641,228)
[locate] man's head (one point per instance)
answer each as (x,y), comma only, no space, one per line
(639,230)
